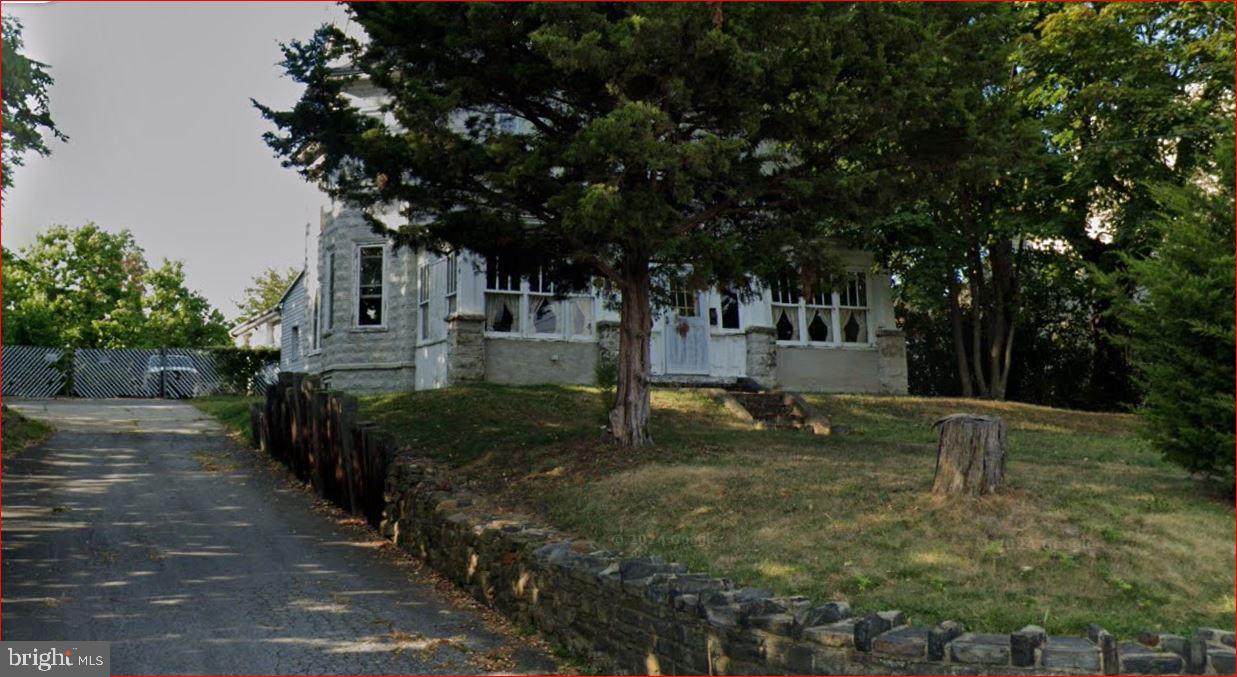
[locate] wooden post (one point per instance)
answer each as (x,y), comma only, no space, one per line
(970,457)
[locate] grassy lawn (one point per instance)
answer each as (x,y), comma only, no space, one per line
(230,410)
(18,432)
(1092,527)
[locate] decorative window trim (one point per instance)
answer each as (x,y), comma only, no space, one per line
(356,286)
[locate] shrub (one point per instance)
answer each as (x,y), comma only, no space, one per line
(1182,320)
(240,370)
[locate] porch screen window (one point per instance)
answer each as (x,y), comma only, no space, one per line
(818,314)
(528,305)
(542,308)
(369,285)
(835,317)
(786,301)
(853,308)
(502,297)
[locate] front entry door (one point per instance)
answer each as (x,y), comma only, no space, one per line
(687,335)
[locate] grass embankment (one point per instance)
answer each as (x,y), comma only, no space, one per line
(18,432)
(230,410)
(1092,527)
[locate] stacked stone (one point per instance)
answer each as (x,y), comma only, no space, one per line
(643,615)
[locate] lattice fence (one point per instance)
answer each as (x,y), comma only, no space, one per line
(175,373)
(30,371)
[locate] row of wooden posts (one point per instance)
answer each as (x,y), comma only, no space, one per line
(316,433)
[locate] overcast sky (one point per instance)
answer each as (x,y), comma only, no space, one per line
(163,138)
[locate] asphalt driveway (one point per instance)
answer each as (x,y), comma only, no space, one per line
(140,523)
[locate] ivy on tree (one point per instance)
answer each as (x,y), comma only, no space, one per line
(706,143)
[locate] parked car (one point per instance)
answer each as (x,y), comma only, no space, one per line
(172,376)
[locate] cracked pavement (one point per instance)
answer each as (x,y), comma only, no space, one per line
(142,524)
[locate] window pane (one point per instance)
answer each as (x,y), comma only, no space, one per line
(452,274)
(787,323)
(785,290)
(330,290)
(730,310)
(424,318)
(818,325)
(370,311)
(545,315)
(855,326)
(499,277)
(502,312)
(580,315)
(371,266)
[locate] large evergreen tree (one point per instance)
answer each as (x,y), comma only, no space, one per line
(1182,319)
(703,141)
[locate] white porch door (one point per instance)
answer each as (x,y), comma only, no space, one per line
(686,335)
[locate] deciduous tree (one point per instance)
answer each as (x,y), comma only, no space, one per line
(27,116)
(264,292)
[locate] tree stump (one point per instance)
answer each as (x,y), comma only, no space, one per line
(970,456)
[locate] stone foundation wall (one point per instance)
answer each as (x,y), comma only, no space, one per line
(646,616)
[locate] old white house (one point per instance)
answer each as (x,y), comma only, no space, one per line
(371,317)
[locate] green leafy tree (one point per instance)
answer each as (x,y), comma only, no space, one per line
(27,116)
(1182,320)
(264,292)
(655,141)
(1037,145)
(1130,95)
(177,317)
(88,281)
(90,288)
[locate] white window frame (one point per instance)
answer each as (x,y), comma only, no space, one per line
(866,307)
(356,286)
(452,287)
(719,294)
(562,306)
(834,297)
(424,273)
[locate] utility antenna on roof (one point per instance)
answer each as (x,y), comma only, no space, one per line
(305,255)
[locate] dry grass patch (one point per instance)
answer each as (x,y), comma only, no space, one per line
(1092,527)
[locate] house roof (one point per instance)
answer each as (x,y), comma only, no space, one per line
(242,327)
(291,285)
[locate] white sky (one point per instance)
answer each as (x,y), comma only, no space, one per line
(163,138)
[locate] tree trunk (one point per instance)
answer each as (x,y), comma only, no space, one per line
(629,419)
(970,457)
(959,339)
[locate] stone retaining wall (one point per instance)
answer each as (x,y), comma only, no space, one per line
(642,615)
